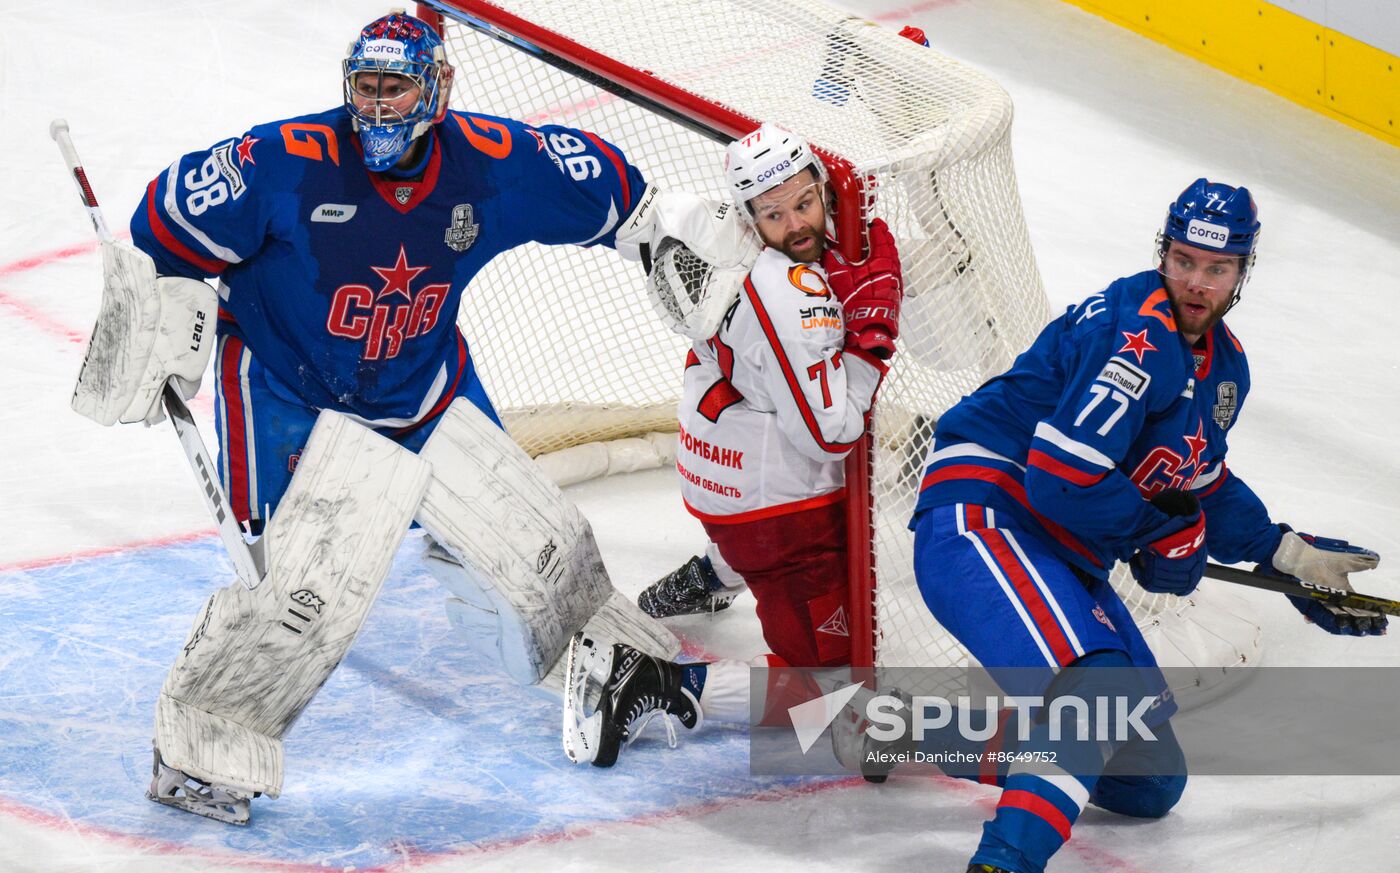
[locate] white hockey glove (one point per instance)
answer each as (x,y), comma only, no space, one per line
(1326,563)
(1321,560)
(149,329)
(713,230)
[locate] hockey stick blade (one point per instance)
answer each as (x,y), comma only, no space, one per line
(244,557)
(1296,588)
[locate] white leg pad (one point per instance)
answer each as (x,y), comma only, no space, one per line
(618,620)
(256,658)
(492,510)
(526,557)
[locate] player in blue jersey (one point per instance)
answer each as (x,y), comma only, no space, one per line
(342,242)
(1104,442)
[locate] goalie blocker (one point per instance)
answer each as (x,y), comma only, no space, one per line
(149,330)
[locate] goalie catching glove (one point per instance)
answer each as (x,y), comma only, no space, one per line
(150,329)
(697,254)
(1326,563)
(870,292)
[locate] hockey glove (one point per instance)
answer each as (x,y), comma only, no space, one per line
(1173,557)
(870,293)
(1326,562)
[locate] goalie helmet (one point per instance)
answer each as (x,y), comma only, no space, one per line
(1215,217)
(405,47)
(765,159)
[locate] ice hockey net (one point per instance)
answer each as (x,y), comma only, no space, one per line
(567,343)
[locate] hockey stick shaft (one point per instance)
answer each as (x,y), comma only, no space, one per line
(1309,590)
(245,563)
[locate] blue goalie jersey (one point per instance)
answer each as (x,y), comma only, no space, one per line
(345,284)
(1108,406)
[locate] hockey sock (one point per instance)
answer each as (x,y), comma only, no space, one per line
(1053,772)
(980,760)
(693,678)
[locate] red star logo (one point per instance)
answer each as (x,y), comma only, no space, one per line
(1197,444)
(539,138)
(1137,344)
(245,150)
(397,278)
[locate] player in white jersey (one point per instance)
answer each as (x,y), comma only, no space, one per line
(773,403)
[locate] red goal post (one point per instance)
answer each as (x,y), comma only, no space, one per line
(566,342)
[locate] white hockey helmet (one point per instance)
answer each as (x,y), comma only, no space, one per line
(765,159)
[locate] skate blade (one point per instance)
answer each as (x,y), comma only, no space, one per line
(580,732)
(236,813)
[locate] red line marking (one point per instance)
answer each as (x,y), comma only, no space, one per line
(43,321)
(904,12)
(413,858)
(104,551)
(37,317)
(49,257)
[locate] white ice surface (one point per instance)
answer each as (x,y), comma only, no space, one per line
(1109,127)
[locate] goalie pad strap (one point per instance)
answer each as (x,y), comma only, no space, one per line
(256,658)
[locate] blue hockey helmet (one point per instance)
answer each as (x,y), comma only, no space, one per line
(1215,217)
(397,82)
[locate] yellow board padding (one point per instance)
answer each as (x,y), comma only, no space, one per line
(1322,69)
(1363,83)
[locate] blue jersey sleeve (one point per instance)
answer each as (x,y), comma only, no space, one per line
(1118,372)
(1238,527)
(570,186)
(201,214)
(591,187)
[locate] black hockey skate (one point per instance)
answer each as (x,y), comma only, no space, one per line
(631,688)
(172,787)
(691,589)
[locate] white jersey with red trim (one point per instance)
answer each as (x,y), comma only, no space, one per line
(772,402)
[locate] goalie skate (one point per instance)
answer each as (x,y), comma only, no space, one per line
(170,787)
(626,689)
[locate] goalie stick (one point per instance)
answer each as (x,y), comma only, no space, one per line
(247,560)
(1295,588)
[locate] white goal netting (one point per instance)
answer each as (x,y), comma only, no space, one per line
(566,341)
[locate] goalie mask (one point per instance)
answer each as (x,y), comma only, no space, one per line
(1214,217)
(396,81)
